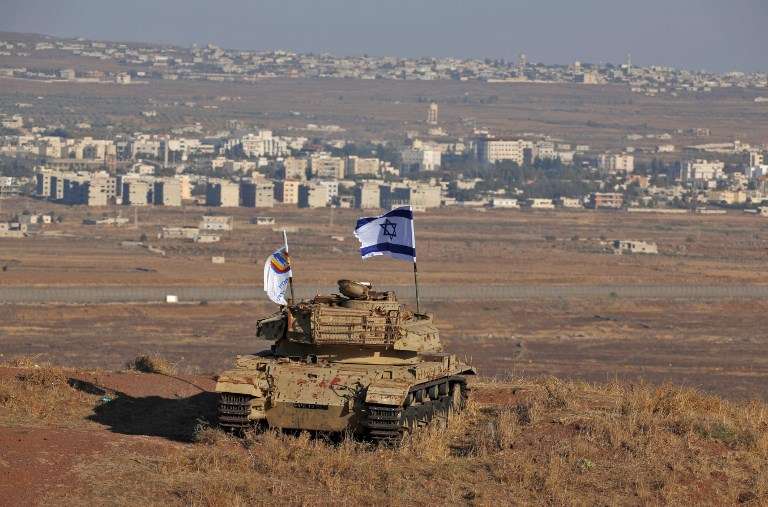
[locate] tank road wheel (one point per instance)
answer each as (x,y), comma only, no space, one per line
(433,392)
(419,395)
(441,411)
(457,398)
(409,422)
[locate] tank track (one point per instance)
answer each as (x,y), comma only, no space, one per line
(234,410)
(425,402)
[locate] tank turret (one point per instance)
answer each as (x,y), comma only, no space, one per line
(359,360)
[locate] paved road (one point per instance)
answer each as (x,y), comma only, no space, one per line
(120,294)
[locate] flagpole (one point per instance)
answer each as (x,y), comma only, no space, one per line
(290,278)
(415,269)
(416,283)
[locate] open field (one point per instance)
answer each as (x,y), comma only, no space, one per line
(714,345)
(598,115)
(542,295)
(73,437)
(504,247)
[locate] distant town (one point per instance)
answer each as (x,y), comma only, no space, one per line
(212,63)
(253,166)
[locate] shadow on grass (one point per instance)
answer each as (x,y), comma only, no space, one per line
(171,418)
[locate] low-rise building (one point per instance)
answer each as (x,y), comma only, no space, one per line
(505,202)
(606,200)
(217,223)
(569,202)
(636,247)
(539,203)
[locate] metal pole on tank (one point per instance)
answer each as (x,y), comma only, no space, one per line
(415,268)
(416,283)
(290,278)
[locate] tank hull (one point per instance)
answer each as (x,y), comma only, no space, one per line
(380,400)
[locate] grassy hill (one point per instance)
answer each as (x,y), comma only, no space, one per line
(129,437)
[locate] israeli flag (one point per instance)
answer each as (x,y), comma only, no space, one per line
(390,234)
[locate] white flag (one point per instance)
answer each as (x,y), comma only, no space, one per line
(390,234)
(277,273)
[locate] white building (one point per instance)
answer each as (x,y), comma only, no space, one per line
(505,202)
(216,223)
(702,171)
(491,150)
(263,144)
(421,159)
(610,163)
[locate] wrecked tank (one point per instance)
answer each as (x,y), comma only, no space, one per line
(358,361)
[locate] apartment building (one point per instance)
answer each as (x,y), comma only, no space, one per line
(610,163)
(137,192)
(544,150)
(756,158)
(313,195)
(263,144)
(421,159)
(697,171)
(295,168)
(491,150)
(368,195)
(166,192)
(257,194)
(287,191)
(223,193)
(93,189)
(324,166)
(358,166)
(416,194)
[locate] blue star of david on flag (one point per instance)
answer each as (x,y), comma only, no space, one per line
(390,234)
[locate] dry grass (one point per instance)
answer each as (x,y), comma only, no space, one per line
(547,442)
(152,364)
(42,395)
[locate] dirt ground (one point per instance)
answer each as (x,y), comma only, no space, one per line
(454,246)
(75,437)
(714,345)
(598,115)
